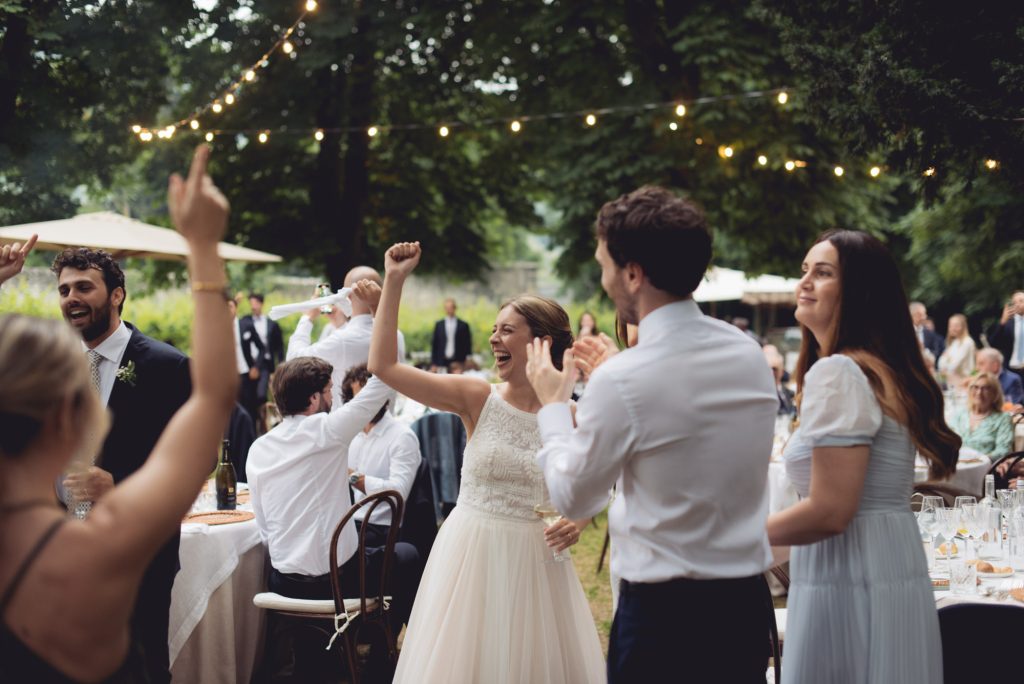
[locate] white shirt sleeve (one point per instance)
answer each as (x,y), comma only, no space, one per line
(344,423)
(580,465)
(403,461)
(839,408)
(300,339)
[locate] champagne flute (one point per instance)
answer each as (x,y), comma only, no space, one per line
(547,512)
(959,503)
(948,521)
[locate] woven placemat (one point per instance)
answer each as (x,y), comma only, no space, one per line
(220,517)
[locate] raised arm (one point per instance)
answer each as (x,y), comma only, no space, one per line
(12,258)
(456,393)
(137,517)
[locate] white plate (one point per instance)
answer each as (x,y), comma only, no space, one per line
(995,575)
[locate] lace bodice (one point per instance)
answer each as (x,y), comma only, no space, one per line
(499,472)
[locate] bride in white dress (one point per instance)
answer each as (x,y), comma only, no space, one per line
(491,607)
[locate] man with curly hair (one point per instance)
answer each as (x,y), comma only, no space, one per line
(143,382)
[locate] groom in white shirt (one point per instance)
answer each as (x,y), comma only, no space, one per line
(683,423)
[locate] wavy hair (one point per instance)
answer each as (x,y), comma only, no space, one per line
(546,317)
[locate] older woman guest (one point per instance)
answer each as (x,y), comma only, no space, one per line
(861,607)
(982,425)
(957,361)
(68,586)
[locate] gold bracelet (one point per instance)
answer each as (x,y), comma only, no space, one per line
(210,286)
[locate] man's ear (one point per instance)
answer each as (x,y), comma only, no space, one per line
(117,296)
(634,276)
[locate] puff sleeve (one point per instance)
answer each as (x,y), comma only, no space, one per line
(839,408)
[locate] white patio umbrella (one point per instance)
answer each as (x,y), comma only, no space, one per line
(770,289)
(720,285)
(122,237)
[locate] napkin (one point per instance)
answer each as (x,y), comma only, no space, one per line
(340,298)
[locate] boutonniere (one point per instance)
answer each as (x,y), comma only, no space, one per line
(126,373)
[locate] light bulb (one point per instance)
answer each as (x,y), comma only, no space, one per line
(991,164)
(216,107)
(699,141)
(783,97)
(136,128)
(930,171)
(724,151)
(319,135)
(250,75)
(680,110)
(838,171)
(194,125)
(443,131)
(515,126)
(673,126)
(169,131)
(310,5)
(229,99)
(875,171)
(145,136)
(287,47)
(762,160)
(790,165)
(209,137)
(728,152)
(372,131)
(591,119)
(263,137)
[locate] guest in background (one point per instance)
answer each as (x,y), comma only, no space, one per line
(989,360)
(928,337)
(587,326)
(456,368)
(270,336)
(452,340)
(248,352)
(75,603)
(957,360)
(1008,334)
(928,358)
(982,425)
(385,455)
(777,363)
(860,591)
(336,320)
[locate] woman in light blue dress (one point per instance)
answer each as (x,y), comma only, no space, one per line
(861,607)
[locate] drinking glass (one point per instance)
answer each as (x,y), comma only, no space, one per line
(947,523)
(963,577)
(549,514)
(991,534)
(972,522)
(960,502)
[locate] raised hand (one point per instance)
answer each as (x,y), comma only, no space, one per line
(198,209)
(12,258)
(552,386)
(1008,312)
(591,352)
(401,258)
(368,291)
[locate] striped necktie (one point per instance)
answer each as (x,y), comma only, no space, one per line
(94,367)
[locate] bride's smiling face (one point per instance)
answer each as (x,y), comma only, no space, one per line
(508,342)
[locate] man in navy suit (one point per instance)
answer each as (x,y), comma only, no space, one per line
(143,382)
(272,341)
(931,340)
(1008,334)
(452,340)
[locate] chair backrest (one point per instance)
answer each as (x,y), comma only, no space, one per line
(393,500)
(1002,482)
(977,641)
(419,526)
(947,492)
(442,439)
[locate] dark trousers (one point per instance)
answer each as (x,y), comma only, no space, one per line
(717,627)
(152,612)
(247,396)
(404,566)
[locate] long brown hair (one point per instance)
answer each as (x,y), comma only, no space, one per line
(545,317)
(872,325)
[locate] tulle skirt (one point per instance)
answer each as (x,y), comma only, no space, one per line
(489,609)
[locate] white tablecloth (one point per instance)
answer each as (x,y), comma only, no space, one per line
(215,632)
(969,475)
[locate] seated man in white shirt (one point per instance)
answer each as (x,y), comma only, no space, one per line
(385,455)
(298,479)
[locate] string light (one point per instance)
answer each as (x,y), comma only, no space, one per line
(310,5)
(725,152)
(838,171)
(680,110)
(790,165)
(930,171)
(264,137)
(229,99)
(287,47)
(209,137)
(319,135)
(875,171)
(515,126)
(699,141)
(136,129)
(673,126)
(443,131)
(783,97)
(216,107)
(591,120)
(145,136)
(799,163)
(991,164)
(194,125)
(250,75)
(762,160)
(372,131)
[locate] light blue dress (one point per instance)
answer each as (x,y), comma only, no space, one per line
(861,607)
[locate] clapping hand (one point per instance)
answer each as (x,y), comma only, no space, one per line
(368,291)
(401,258)
(551,385)
(198,209)
(591,352)
(12,258)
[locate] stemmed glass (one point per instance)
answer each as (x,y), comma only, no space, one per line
(959,503)
(947,523)
(972,522)
(547,512)
(927,519)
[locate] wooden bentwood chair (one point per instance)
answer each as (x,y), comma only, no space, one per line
(333,616)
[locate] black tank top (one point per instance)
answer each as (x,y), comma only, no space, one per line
(19,663)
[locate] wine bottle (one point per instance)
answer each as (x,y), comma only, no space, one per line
(325,291)
(226,481)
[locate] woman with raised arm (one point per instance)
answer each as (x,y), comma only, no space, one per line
(492,605)
(861,607)
(67,587)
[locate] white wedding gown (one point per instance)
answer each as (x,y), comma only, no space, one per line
(489,608)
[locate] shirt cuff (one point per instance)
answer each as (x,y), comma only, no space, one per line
(372,484)
(554,420)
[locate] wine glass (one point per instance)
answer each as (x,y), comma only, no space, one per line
(547,512)
(947,524)
(971,522)
(959,503)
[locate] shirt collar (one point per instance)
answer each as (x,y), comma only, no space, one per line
(112,348)
(361,319)
(665,317)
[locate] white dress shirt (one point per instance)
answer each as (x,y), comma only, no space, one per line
(261,324)
(684,422)
(1017,355)
(112,351)
(449,336)
(298,483)
(240,362)
(388,455)
(344,348)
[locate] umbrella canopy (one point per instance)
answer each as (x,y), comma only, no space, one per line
(729,285)
(770,289)
(720,285)
(122,237)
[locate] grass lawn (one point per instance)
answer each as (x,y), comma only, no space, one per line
(596,585)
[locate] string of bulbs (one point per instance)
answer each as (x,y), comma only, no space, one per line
(229,95)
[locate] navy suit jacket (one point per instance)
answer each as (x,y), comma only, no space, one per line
(1001,336)
(1013,388)
(273,351)
(463,343)
(934,343)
